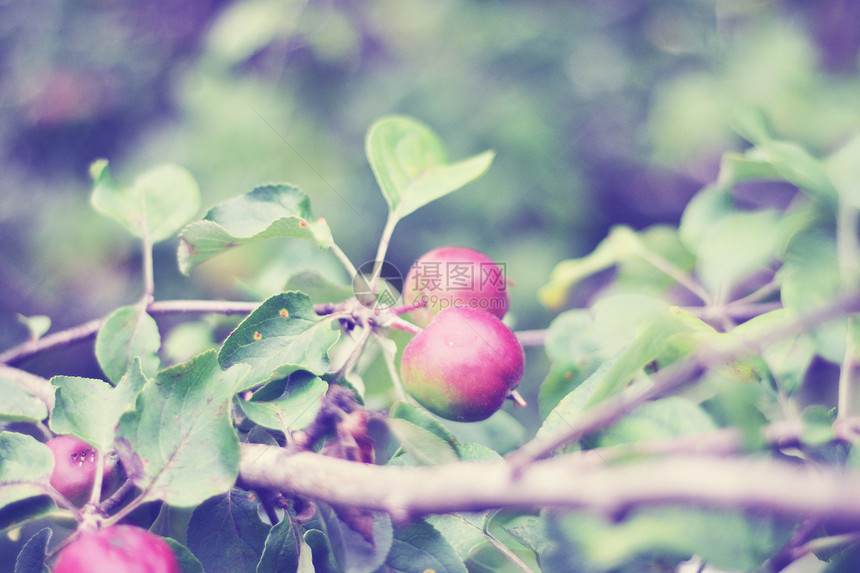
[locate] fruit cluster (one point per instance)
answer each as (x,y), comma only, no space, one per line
(466,362)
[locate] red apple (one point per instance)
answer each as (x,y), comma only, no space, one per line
(75,468)
(118,549)
(454,277)
(463,365)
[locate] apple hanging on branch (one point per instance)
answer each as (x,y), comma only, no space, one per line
(75,468)
(118,549)
(449,277)
(464,365)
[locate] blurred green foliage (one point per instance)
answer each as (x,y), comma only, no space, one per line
(600,112)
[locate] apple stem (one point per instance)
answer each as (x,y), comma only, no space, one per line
(400,324)
(517,398)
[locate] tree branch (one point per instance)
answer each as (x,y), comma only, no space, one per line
(407,492)
(63,338)
(668,380)
(36,385)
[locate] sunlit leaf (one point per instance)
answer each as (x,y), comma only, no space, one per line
(797,166)
(810,279)
(294,410)
(156,205)
(418,547)
(787,357)
(738,246)
(656,331)
(267,212)
(128,333)
(178,444)
(424,446)
(90,409)
(36,325)
(411,165)
(843,168)
(724,539)
(620,244)
(666,418)
(18,405)
(282,335)
(422,418)
(25,467)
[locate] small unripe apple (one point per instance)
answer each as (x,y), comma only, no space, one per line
(454,277)
(118,549)
(463,365)
(75,468)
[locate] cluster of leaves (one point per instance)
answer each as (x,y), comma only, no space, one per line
(758,296)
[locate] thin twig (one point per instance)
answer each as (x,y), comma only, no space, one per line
(503,549)
(84,331)
(668,380)
(847,375)
(676,273)
(392,368)
(344,260)
(35,385)
(531,337)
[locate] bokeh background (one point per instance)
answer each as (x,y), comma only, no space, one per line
(600,111)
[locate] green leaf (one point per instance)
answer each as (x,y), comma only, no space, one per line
(25,467)
(294,410)
(354,551)
(282,335)
(738,246)
(501,432)
(157,205)
(322,557)
(656,330)
(725,540)
(787,358)
(187,561)
(739,167)
(797,166)
(226,534)
(666,418)
(281,551)
(424,446)
(90,409)
(636,274)
(31,558)
(411,165)
(18,405)
(306,558)
(128,333)
(267,212)
(462,531)
(620,244)
(810,279)
(422,418)
(817,425)
(418,547)
(36,325)
(843,168)
(528,530)
(179,444)
(19,513)
(704,210)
